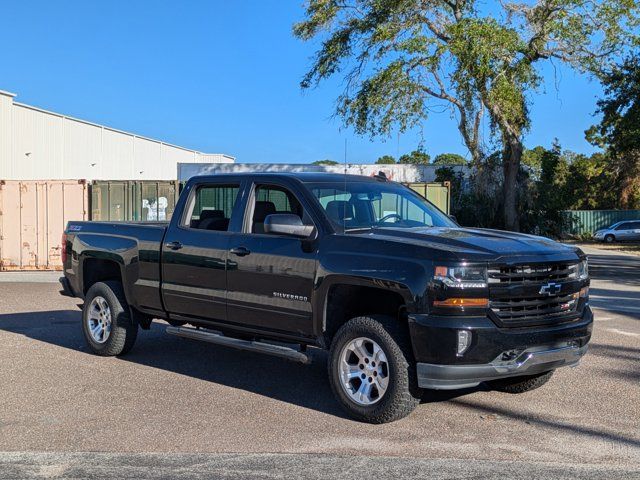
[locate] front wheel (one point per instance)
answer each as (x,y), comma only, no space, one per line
(609,238)
(106,320)
(371,369)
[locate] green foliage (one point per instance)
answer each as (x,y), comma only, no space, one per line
(386,160)
(325,162)
(619,130)
(532,159)
(564,181)
(417,157)
(471,203)
(449,159)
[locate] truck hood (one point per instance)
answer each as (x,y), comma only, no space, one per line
(465,242)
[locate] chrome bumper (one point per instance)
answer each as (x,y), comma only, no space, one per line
(529,362)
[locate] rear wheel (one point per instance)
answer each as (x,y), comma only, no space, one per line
(371,369)
(609,238)
(521,384)
(106,320)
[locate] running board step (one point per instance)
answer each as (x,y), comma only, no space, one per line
(219,339)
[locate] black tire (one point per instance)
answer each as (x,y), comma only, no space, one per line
(609,238)
(402,394)
(521,384)
(124,329)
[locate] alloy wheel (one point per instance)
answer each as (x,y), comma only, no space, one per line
(364,371)
(99,320)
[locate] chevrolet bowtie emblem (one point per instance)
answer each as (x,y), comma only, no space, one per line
(550,289)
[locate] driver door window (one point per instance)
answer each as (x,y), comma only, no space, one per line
(271,199)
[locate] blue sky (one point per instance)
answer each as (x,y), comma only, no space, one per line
(222,76)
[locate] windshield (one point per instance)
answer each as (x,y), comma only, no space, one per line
(358,205)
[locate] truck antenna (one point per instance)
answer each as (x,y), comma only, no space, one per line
(344,210)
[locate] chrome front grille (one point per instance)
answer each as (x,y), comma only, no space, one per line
(519,294)
(533,310)
(528,274)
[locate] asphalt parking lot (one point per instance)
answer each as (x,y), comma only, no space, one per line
(177,408)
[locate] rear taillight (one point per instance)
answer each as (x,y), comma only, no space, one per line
(63,248)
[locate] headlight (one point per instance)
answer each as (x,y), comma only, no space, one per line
(583,270)
(462,276)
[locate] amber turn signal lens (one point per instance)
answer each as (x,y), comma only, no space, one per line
(462,302)
(584,292)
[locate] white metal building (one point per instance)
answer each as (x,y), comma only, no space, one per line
(405,173)
(36,144)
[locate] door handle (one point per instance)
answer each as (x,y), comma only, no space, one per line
(240,251)
(173,245)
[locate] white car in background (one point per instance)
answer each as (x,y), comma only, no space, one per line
(625,231)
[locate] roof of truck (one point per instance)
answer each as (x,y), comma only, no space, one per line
(305,177)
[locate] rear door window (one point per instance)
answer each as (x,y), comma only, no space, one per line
(211,207)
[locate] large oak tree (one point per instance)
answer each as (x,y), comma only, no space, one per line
(402,59)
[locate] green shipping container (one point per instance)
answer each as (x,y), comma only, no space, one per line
(437,193)
(587,222)
(133,200)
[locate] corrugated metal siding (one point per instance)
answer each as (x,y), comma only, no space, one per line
(36,144)
(437,193)
(585,222)
(6,127)
(146,200)
(33,215)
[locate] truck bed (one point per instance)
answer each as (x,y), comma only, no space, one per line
(135,245)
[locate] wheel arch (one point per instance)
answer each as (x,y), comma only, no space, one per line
(344,298)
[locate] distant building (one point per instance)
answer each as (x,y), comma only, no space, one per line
(405,173)
(36,144)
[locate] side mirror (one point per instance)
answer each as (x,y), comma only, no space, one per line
(287,224)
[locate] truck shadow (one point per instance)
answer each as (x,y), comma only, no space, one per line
(303,385)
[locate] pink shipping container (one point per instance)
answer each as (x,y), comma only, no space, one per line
(33,214)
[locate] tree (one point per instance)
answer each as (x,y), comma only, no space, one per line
(532,159)
(417,157)
(619,130)
(403,58)
(386,160)
(325,162)
(449,159)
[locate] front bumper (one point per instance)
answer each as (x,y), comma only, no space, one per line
(530,362)
(494,352)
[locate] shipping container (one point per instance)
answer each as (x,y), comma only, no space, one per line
(33,215)
(134,200)
(438,193)
(587,222)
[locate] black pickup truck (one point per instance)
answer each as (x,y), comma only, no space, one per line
(401,296)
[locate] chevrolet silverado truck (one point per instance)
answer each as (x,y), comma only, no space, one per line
(401,296)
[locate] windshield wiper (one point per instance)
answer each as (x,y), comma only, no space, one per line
(358,229)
